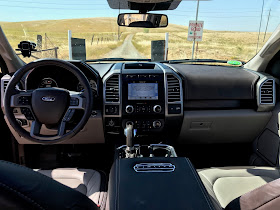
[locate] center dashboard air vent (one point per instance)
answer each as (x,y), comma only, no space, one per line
(173,85)
(112,91)
(267,92)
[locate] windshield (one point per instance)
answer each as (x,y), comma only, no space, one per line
(232,30)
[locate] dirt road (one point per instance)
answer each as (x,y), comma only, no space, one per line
(126,50)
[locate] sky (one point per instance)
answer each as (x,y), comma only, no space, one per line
(235,15)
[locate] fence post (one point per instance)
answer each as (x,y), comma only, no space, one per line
(70,44)
(55,52)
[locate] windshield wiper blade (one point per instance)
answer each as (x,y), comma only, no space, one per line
(117,59)
(196,61)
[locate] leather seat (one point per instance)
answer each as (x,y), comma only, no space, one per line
(23,188)
(227,183)
(86,181)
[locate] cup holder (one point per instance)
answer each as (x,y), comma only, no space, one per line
(152,150)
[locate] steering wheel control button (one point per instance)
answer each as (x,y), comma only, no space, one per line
(74,101)
(156,124)
(129,109)
(27,113)
(157,109)
(24,100)
(69,114)
(112,109)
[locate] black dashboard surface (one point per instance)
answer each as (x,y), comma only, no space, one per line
(204,82)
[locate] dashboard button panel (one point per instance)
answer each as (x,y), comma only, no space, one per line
(174,109)
(112,109)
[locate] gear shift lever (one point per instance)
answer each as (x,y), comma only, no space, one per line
(129,133)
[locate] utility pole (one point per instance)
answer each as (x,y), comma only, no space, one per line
(260,29)
(118,24)
(197,7)
(266,25)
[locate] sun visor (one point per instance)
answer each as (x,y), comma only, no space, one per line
(144,5)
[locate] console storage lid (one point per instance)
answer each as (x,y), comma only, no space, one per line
(174,184)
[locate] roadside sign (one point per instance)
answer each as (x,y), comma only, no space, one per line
(78,49)
(195,30)
(158,50)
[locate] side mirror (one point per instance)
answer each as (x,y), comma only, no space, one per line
(148,20)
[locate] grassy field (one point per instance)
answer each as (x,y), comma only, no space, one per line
(215,44)
(102,30)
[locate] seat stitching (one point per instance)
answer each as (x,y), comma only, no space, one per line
(93,182)
(199,183)
(268,201)
(21,194)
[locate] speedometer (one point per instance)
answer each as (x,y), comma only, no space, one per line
(92,83)
(47,82)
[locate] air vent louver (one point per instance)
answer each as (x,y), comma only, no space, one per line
(173,89)
(5,84)
(266,92)
(112,89)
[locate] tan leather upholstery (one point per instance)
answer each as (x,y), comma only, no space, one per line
(226,184)
(86,181)
(264,197)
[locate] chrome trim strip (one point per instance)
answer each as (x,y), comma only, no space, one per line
(174,73)
(112,103)
(154,168)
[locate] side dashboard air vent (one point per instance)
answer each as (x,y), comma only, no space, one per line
(173,85)
(112,91)
(4,83)
(267,92)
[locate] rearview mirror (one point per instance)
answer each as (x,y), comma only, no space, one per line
(143,20)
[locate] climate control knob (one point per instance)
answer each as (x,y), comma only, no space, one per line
(157,109)
(129,109)
(156,124)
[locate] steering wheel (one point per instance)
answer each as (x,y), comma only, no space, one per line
(49,106)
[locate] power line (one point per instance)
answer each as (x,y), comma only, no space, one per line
(51,3)
(260,28)
(56,8)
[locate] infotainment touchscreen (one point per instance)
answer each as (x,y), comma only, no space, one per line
(143,91)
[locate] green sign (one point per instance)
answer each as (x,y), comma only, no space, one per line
(78,49)
(236,63)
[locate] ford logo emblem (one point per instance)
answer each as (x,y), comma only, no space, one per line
(48,98)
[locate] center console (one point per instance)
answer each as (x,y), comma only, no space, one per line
(153,177)
(147,96)
(143,102)
(155,182)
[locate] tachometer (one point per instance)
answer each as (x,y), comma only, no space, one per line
(47,82)
(92,83)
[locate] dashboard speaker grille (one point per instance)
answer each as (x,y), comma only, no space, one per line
(112,93)
(173,85)
(267,92)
